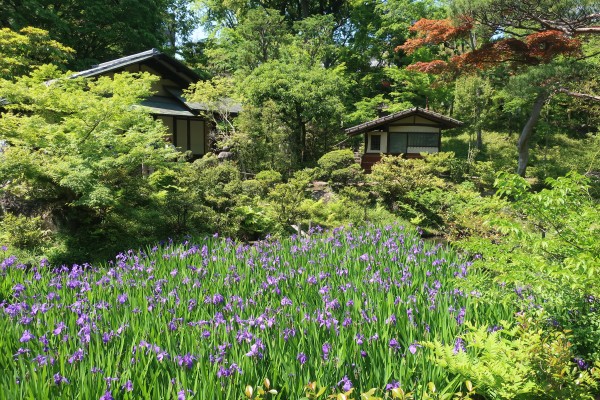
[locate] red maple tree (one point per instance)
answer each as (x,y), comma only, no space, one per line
(533,49)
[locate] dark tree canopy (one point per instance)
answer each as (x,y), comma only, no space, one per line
(100,30)
(512,17)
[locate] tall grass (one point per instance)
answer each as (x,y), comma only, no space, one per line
(203,320)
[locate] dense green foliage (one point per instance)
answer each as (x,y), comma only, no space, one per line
(556,257)
(29,48)
(102,30)
(77,154)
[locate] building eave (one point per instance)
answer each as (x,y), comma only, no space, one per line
(152,54)
(444,121)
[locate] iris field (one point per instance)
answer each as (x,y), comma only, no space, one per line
(345,308)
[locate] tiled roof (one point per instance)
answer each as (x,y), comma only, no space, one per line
(161,105)
(444,121)
(122,62)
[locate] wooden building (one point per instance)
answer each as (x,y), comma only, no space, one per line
(408,133)
(188,130)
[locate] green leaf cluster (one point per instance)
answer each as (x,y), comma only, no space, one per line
(77,153)
(521,361)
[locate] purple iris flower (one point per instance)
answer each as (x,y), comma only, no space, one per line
(21,351)
(59,328)
(44,340)
(345,383)
(581,363)
(18,289)
(413,347)
(186,360)
(77,356)
(326,347)
(228,371)
(128,386)
(255,350)
(41,360)
(460,318)
(302,358)
(59,379)
(286,301)
(27,336)
(172,325)
(459,346)
(359,339)
(107,396)
(161,355)
(122,298)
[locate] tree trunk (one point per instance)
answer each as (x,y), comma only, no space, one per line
(523,144)
(302,126)
(304,9)
(303,141)
(479,111)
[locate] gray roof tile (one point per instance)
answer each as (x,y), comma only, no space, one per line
(444,121)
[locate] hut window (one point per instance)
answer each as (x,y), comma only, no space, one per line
(423,140)
(197,137)
(168,122)
(181,135)
(398,143)
(375,142)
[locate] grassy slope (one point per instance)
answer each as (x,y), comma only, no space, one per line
(552,157)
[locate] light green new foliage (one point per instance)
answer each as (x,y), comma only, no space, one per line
(547,244)
(21,232)
(557,232)
(78,136)
(22,51)
(75,150)
(522,361)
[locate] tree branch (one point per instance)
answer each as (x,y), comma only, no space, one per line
(579,95)
(589,29)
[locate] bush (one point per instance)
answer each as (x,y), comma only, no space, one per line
(525,361)
(337,159)
(269,178)
(254,222)
(253,188)
(285,200)
(261,184)
(548,242)
(352,175)
(400,183)
(24,233)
